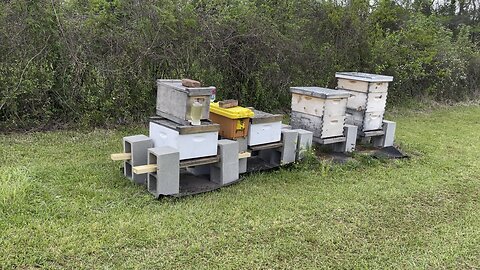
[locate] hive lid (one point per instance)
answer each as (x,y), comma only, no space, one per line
(320,92)
(237,112)
(366,77)
(190,91)
(264,117)
(205,126)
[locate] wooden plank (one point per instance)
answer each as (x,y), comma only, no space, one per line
(266,146)
(183,129)
(121,156)
(229,103)
(245,154)
(191,83)
(329,140)
(198,161)
(145,169)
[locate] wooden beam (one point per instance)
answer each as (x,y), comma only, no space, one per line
(145,169)
(229,103)
(121,156)
(244,155)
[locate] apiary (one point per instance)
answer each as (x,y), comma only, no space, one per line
(182,104)
(366,105)
(234,122)
(190,141)
(264,128)
(320,110)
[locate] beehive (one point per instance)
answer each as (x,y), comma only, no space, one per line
(366,105)
(234,122)
(190,141)
(174,101)
(320,110)
(264,128)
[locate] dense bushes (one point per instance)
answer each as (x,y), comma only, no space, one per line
(94,62)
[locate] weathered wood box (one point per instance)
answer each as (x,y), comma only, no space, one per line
(191,141)
(264,128)
(174,101)
(320,110)
(366,105)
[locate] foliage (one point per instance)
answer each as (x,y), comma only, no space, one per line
(95,62)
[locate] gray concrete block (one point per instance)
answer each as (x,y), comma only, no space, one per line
(388,136)
(272,156)
(242,144)
(289,149)
(166,181)
(242,165)
(227,169)
(304,142)
(138,146)
(348,146)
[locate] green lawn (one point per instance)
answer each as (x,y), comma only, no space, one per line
(64,204)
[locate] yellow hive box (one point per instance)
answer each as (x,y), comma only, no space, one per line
(234,122)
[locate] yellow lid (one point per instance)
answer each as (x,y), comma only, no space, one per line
(232,113)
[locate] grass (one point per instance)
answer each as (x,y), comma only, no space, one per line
(64,204)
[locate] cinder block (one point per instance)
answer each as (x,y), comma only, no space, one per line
(304,142)
(289,148)
(242,165)
(388,137)
(166,181)
(227,169)
(242,144)
(348,146)
(272,156)
(138,146)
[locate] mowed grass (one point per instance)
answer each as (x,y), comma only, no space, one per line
(64,204)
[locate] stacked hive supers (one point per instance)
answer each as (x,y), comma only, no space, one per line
(366,106)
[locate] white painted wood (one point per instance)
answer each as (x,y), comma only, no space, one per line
(365,120)
(366,77)
(370,102)
(332,126)
(308,104)
(335,107)
(263,133)
(354,85)
(189,145)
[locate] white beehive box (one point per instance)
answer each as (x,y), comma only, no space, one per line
(264,128)
(366,106)
(320,110)
(191,141)
(175,100)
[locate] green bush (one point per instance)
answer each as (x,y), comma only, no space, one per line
(95,62)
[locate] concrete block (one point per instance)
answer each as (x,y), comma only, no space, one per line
(289,148)
(242,165)
(272,156)
(242,144)
(304,142)
(227,169)
(166,181)
(388,136)
(348,146)
(138,146)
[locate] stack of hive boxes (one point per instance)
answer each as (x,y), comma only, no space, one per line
(320,110)
(366,105)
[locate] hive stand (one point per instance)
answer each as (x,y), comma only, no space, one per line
(347,146)
(272,155)
(226,170)
(168,175)
(388,136)
(304,143)
(137,146)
